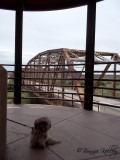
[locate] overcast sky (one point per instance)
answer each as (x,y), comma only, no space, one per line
(60,29)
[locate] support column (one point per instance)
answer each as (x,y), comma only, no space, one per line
(3,112)
(89,61)
(18,52)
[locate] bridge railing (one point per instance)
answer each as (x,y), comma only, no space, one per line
(54,85)
(43,86)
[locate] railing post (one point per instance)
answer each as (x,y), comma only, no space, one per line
(18,52)
(89,61)
(3,112)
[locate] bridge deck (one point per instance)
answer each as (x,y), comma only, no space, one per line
(90,133)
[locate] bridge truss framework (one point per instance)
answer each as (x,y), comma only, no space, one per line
(51,70)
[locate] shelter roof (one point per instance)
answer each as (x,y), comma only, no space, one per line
(43,5)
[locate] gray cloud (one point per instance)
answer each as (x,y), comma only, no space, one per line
(60,29)
(6,57)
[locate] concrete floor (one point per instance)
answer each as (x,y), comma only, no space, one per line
(83,134)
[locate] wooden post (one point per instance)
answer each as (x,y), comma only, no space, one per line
(89,61)
(18,52)
(3,112)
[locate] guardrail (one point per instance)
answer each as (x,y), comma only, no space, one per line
(63,90)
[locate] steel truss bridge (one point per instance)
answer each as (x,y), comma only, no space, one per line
(59,74)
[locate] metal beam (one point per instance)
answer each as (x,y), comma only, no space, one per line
(101,76)
(89,60)
(18,51)
(73,74)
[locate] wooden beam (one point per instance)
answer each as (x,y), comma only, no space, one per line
(89,60)
(18,52)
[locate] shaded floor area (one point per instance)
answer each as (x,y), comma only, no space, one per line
(83,134)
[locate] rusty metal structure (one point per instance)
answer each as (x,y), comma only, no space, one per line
(62,71)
